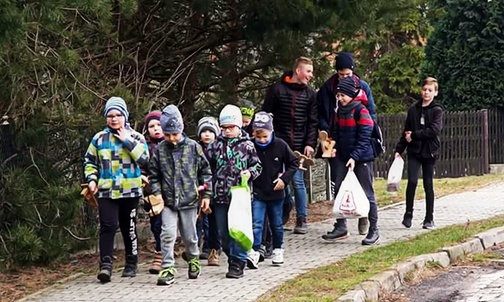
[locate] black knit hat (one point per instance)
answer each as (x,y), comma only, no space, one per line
(347,86)
(344,60)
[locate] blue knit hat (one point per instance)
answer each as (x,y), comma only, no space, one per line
(171,120)
(347,86)
(344,60)
(118,104)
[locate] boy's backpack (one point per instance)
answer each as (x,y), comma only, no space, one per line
(377,141)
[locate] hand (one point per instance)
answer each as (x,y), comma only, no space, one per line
(280,185)
(122,134)
(92,187)
(245,173)
(308,150)
(350,164)
(408,136)
(396,155)
(333,153)
(205,205)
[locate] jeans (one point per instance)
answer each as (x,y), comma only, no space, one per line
(364,173)
(155,225)
(112,212)
(273,208)
(300,193)
(186,221)
(229,246)
(427,164)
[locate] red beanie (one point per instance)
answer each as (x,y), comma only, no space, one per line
(153,115)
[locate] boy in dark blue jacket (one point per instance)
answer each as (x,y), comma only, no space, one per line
(352,128)
(279,166)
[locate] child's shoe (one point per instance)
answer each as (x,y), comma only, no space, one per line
(339,232)
(278,258)
(156,264)
(105,273)
(408,216)
(194,268)
(213,258)
(235,270)
(372,236)
(428,224)
(130,268)
(253,259)
(363,226)
(166,276)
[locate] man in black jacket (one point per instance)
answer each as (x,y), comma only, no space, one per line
(293,104)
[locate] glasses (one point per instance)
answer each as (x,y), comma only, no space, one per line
(111,116)
(228,128)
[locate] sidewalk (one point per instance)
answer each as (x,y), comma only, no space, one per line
(302,253)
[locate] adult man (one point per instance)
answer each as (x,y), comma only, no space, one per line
(326,104)
(293,104)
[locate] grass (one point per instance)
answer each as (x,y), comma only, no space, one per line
(442,187)
(329,282)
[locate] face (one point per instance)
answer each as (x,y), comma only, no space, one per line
(304,73)
(343,99)
(154,129)
(262,136)
(345,73)
(115,119)
(230,131)
(246,121)
(173,138)
(207,136)
(429,92)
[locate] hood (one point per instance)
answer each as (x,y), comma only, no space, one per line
(431,105)
(287,80)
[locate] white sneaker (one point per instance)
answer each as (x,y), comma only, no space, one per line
(253,259)
(277,258)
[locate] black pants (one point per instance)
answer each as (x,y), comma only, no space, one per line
(214,241)
(427,164)
(364,173)
(155,224)
(112,212)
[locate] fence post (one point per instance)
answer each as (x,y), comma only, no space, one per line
(484,142)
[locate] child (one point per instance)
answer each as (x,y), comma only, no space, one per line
(154,135)
(232,156)
(112,169)
(208,130)
(352,128)
(247,114)
(421,136)
(269,192)
(178,167)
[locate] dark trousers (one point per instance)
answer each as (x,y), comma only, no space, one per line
(427,164)
(155,225)
(114,212)
(213,239)
(364,173)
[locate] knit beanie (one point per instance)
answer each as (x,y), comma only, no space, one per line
(344,60)
(263,120)
(171,120)
(230,115)
(247,112)
(347,86)
(153,115)
(118,104)
(208,123)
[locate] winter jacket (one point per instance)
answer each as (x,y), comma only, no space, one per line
(228,157)
(352,128)
(116,165)
(326,100)
(278,160)
(176,171)
(425,138)
(294,107)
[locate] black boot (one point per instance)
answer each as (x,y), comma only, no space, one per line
(363,226)
(408,216)
(235,270)
(301,227)
(130,268)
(105,270)
(372,236)
(339,232)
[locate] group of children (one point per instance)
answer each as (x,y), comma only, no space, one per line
(189,182)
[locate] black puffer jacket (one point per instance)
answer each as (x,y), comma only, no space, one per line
(294,107)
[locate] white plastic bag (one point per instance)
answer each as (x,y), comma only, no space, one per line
(395,175)
(351,201)
(240,216)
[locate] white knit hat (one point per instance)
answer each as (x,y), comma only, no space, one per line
(231,115)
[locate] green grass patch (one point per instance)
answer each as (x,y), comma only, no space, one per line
(329,282)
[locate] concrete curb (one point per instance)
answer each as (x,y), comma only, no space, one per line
(395,277)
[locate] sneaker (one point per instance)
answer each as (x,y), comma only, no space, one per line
(105,273)
(253,259)
(166,276)
(235,270)
(213,258)
(156,264)
(429,225)
(130,268)
(278,258)
(338,233)
(301,227)
(262,253)
(407,219)
(363,226)
(203,255)
(194,268)
(372,237)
